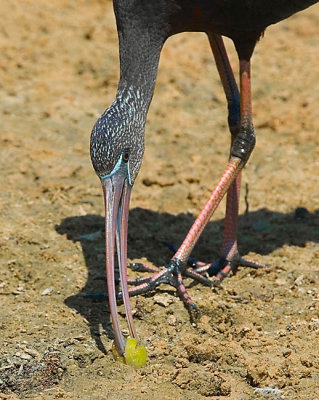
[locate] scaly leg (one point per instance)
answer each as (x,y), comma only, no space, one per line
(230,259)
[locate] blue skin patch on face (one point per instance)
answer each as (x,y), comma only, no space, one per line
(120,167)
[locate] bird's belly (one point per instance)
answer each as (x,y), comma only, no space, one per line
(230,17)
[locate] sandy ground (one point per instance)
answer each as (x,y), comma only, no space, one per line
(258,336)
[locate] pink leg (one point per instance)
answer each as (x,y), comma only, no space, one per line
(230,258)
(233,169)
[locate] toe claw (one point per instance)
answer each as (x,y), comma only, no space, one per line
(194,313)
(138,267)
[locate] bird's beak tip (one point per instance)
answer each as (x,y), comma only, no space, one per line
(117,191)
(135,354)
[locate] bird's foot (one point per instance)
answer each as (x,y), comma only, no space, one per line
(220,268)
(224,266)
(171,275)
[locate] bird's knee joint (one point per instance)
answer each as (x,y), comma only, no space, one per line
(244,143)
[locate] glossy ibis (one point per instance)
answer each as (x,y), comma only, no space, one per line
(117,139)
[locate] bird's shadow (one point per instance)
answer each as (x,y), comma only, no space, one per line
(260,231)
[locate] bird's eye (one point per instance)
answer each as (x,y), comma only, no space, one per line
(125,155)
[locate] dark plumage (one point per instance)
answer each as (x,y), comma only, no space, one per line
(117,140)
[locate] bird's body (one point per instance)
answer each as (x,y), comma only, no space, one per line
(117,140)
(234,17)
(225,17)
(143,27)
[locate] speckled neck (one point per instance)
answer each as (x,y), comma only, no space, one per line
(122,125)
(138,66)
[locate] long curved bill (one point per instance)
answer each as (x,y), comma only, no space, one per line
(117,191)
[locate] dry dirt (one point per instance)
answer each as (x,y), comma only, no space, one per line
(258,336)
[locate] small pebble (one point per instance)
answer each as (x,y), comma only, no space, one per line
(32,352)
(163,300)
(23,356)
(298,281)
(125,332)
(281,282)
(268,390)
(47,291)
(171,320)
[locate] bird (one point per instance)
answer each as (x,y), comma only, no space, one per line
(117,138)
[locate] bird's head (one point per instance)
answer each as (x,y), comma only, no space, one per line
(117,138)
(117,147)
